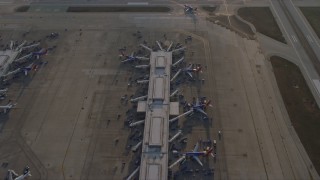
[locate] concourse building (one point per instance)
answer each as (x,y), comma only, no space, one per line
(158,108)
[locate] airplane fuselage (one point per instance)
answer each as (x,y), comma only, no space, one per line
(200,153)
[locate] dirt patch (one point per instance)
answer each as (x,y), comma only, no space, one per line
(22,9)
(234,24)
(209,9)
(118,9)
(263,21)
(312,14)
(301,106)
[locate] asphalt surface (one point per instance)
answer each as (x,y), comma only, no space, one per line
(60,127)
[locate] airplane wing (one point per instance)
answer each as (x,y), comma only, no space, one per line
(198,160)
(126,60)
(189,73)
(196,147)
(142,58)
(200,110)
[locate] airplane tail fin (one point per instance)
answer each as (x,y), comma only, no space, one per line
(209,103)
(122,54)
(198,69)
(209,151)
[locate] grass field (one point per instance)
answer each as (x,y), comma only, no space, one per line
(263,20)
(313,15)
(301,106)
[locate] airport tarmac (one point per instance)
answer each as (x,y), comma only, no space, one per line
(61,127)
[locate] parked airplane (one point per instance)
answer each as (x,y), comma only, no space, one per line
(132,58)
(200,106)
(26,69)
(41,52)
(195,153)
(12,175)
(188,70)
(189,9)
(7,107)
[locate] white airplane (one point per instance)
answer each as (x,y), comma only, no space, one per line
(7,107)
(14,176)
(194,154)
